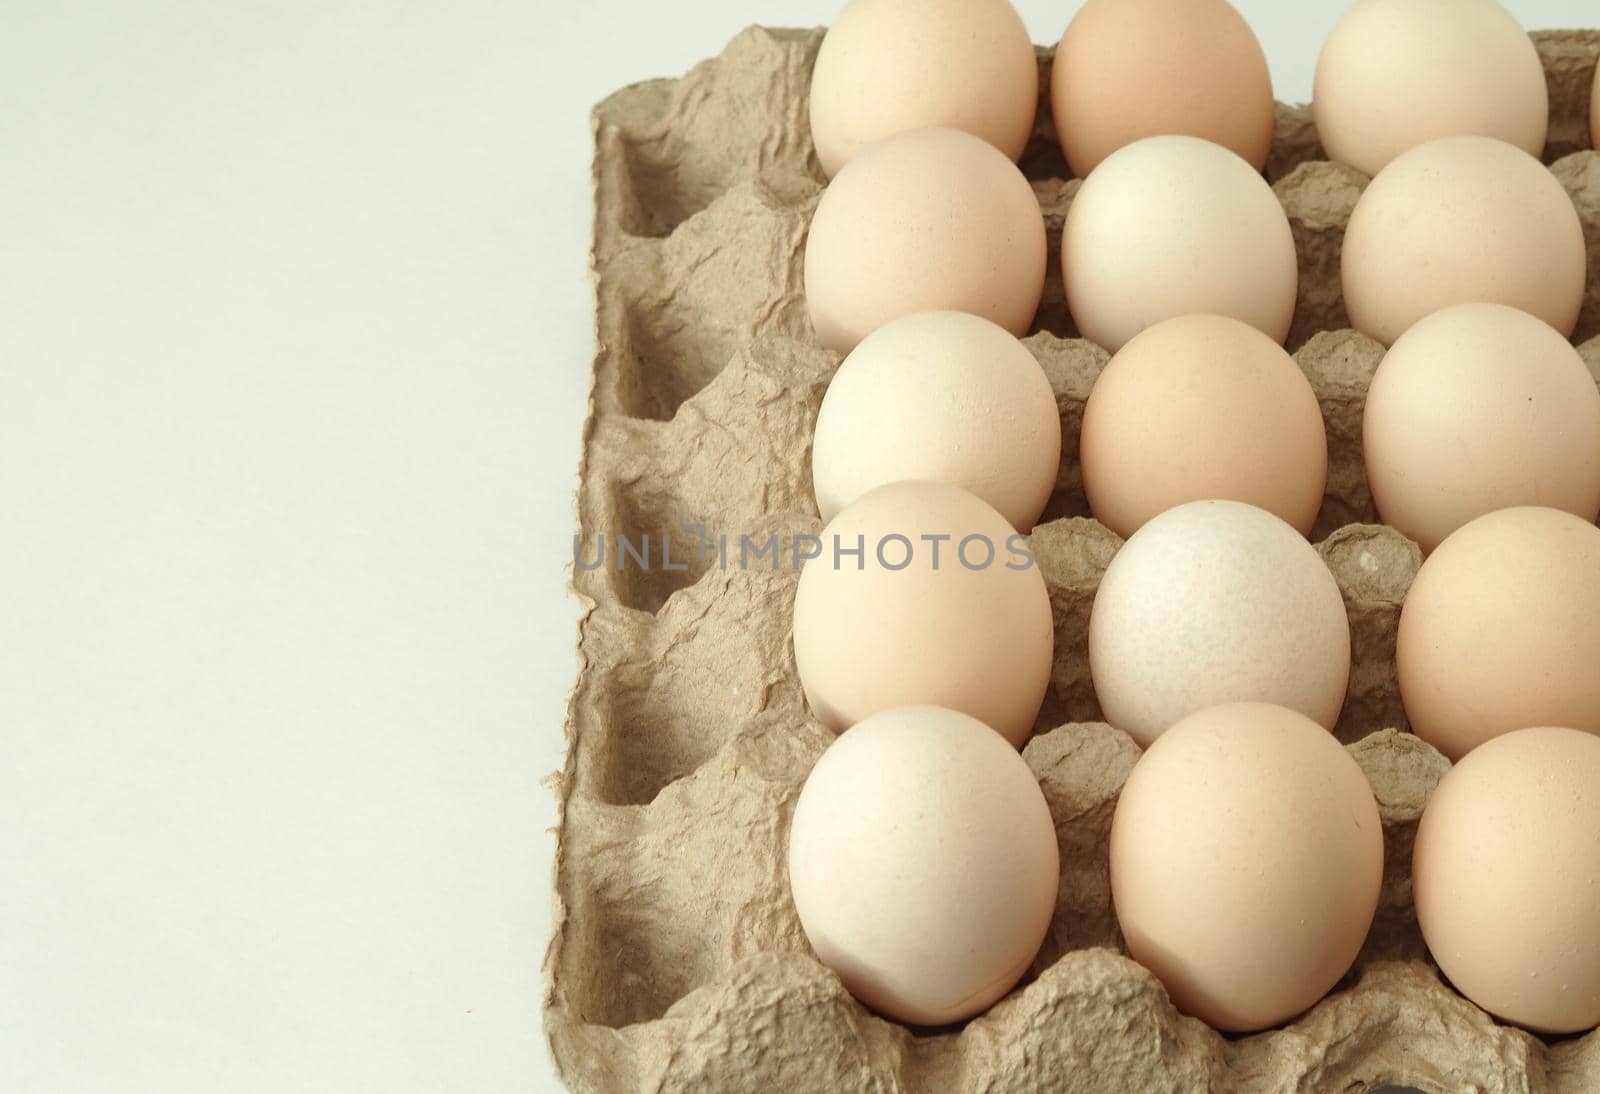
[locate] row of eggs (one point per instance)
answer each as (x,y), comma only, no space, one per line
(1393,74)
(1246,852)
(935,219)
(1246,861)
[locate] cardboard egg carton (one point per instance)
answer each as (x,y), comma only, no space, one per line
(678,962)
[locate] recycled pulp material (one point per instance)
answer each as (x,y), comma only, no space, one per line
(678,963)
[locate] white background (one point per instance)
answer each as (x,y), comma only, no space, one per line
(294,347)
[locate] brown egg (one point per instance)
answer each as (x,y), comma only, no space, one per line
(1476,408)
(1172,226)
(1501,630)
(940,603)
(1246,858)
(886,66)
(927,220)
(1202,406)
(1398,73)
(1506,878)
(1129,69)
(1458,221)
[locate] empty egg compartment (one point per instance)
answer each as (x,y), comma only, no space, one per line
(1569,58)
(673,312)
(678,963)
(632,551)
(682,497)
(661,694)
(670,148)
(706,841)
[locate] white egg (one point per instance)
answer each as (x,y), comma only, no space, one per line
(1216,602)
(1170,226)
(944,396)
(923,862)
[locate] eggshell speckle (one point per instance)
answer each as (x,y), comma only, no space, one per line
(1128,69)
(1246,859)
(945,396)
(1216,602)
(1457,221)
(1171,226)
(924,615)
(1198,407)
(1476,408)
(1398,73)
(1506,878)
(1501,630)
(927,220)
(923,863)
(887,66)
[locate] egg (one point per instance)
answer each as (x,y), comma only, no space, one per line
(944,604)
(926,220)
(1128,69)
(1504,876)
(1395,74)
(923,863)
(945,396)
(1246,859)
(1501,630)
(887,66)
(1215,602)
(1457,221)
(1202,406)
(1476,408)
(1171,226)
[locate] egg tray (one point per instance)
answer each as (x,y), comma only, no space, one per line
(678,962)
